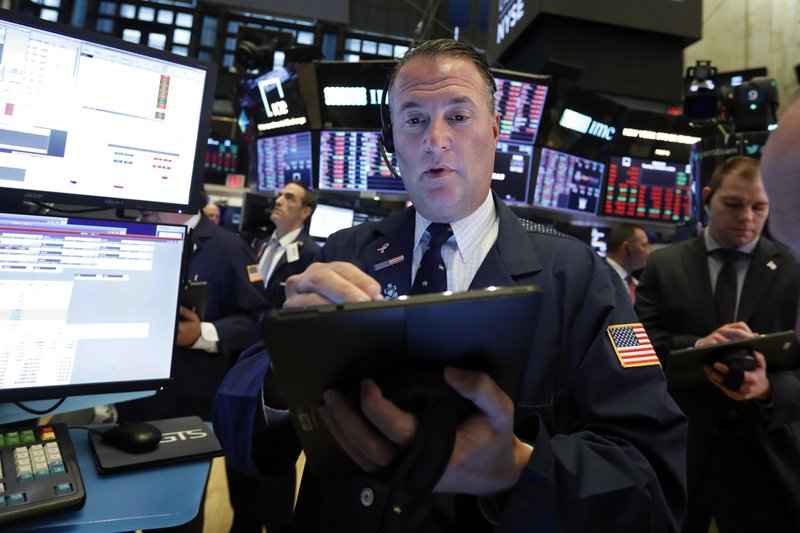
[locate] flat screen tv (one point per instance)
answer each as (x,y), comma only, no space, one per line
(88,119)
(87,306)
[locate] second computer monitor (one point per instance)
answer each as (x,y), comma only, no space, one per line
(282,159)
(567,182)
(648,189)
(351,161)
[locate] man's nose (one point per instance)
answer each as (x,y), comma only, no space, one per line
(438,137)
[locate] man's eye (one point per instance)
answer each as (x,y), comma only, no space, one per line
(459,118)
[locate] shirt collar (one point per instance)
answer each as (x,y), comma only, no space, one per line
(192,222)
(289,238)
(469,231)
(617,268)
(712,245)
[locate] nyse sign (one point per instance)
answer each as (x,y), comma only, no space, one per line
(509,13)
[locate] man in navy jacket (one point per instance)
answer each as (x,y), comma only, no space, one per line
(589,444)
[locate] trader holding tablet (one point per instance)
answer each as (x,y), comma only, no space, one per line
(592,442)
(731,283)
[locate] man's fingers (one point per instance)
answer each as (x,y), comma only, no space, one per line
(336,282)
(481,390)
(397,425)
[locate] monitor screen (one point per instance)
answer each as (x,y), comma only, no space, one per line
(91,120)
(87,306)
(328,219)
(511,178)
(274,102)
(222,157)
(282,159)
(567,182)
(351,161)
(350,93)
(648,189)
(520,100)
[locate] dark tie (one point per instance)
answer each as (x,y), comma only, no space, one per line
(432,274)
(631,287)
(725,290)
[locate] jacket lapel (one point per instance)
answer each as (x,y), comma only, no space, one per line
(695,268)
(764,266)
(512,255)
(388,259)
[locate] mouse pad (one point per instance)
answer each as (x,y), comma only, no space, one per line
(186,438)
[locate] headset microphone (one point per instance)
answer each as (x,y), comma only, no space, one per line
(386,136)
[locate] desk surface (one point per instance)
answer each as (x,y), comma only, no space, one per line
(158,497)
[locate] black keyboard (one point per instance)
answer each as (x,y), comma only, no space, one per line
(39,472)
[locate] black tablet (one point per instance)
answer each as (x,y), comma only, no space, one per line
(684,367)
(336,346)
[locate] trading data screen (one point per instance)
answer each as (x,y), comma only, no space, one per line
(86,302)
(282,159)
(568,182)
(512,171)
(647,189)
(520,105)
(352,161)
(222,156)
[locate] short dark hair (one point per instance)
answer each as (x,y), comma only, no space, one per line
(437,48)
(309,197)
(740,165)
(624,231)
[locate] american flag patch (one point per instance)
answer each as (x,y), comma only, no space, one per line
(632,346)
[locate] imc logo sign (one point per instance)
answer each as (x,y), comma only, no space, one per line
(581,123)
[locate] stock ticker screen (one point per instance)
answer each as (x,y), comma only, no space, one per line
(511,177)
(351,161)
(282,159)
(520,105)
(647,189)
(567,182)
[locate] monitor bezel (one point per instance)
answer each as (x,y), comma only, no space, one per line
(194,200)
(47,392)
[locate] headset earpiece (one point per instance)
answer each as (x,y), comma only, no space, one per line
(387,136)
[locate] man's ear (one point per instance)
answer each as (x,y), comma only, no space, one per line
(706,192)
(305,211)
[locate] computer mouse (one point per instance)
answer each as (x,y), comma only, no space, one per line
(133,437)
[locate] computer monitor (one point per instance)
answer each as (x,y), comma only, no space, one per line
(648,190)
(520,100)
(328,219)
(87,306)
(351,161)
(282,159)
(222,158)
(88,119)
(350,92)
(274,101)
(511,178)
(566,182)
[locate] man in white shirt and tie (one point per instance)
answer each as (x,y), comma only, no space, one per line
(289,250)
(627,250)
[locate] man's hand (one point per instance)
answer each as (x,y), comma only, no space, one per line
(726,333)
(188,327)
(755,385)
(487,457)
(324,283)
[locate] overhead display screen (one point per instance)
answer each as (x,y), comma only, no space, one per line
(567,182)
(648,189)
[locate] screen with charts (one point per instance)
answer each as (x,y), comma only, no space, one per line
(282,159)
(511,177)
(91,120)
(351,161)
(222,157)
(520,104)
(648,189)
(86,306)
(568,182)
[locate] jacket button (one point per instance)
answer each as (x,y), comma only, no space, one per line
(367,496)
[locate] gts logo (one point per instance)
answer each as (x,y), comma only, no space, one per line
(187,434)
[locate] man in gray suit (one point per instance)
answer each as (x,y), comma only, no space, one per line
(742,456)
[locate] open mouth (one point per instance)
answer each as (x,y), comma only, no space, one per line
(437,171)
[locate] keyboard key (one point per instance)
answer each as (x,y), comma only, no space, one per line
(12,439)
(63,488)
(17,498)
(28,436)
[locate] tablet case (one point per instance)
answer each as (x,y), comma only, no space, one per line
(185,438)
(684,367)
(336,346)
